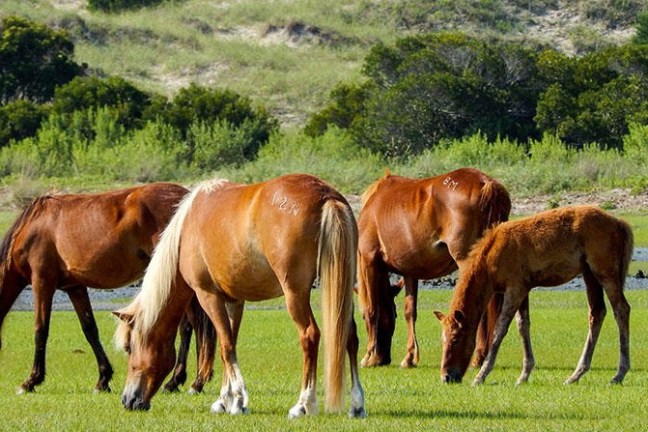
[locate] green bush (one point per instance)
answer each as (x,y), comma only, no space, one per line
(34,60)
(20,119)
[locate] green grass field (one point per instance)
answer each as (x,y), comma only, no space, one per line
(397,399)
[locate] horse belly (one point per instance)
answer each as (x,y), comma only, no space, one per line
(423,263)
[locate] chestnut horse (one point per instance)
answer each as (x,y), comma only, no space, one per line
(72,241)
(547,249)
(229,243)
(421,229)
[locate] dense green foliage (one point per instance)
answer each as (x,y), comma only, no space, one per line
(428,88)
(270,359)
(34,60)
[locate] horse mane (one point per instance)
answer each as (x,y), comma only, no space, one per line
(27,214)
(371,190)
(162,269)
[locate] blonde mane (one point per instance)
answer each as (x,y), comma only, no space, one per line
(161,272)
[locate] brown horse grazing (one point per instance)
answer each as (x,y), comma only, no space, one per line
(421,229)
(230,243)
(548,249)
(73,241)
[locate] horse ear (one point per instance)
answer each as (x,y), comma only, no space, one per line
(123,315)
(440,315)
(459,317)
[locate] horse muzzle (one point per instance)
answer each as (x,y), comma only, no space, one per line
(451,376)
(134,402)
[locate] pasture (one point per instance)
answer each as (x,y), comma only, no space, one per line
(397,399)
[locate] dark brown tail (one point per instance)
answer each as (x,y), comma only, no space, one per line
(628,247)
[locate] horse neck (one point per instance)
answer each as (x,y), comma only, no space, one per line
(473,290)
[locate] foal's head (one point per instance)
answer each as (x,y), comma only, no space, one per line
(458,339)
(151,358)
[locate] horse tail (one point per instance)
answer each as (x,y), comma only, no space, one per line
(627,248)
(27,215)
(338,242)
(494,203)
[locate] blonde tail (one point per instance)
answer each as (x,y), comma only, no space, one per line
(338,242)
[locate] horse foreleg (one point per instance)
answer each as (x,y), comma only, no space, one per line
(233,397)
(81,302)
(309,335)
(179,375)
(357,393)
(43,293)
(411,296)
(509,307)
(597,313)
(524,328)
(486,329)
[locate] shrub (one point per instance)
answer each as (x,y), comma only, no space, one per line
(34,60)
(20,119)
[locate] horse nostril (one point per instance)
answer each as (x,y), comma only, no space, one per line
(452,377)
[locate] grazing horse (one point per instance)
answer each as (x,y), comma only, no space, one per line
(547,249)
(421,229)
(229,243)
(72,241)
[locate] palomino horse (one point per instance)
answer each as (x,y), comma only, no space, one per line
(547,249)
(229,243)
(73,241)
(421,229)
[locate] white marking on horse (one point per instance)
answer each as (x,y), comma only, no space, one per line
(283,204)
(450,183)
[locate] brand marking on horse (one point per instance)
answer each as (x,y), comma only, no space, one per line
(450,183)
(283,204)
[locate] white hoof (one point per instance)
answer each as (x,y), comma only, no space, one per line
(218,407)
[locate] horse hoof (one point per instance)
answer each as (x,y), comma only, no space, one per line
(407,364)
(297,411)
(218,407)
(357,412)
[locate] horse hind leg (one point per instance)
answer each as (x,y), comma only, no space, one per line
(524,328)
(298,305)
(357,409)
(597,314)
(621,309)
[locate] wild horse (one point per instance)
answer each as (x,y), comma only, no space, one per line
(421,229)
(73,241)
(547,249)
(229,243)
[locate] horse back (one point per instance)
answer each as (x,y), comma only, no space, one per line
(102,240)
(417,226)
(553,247)
(248,239)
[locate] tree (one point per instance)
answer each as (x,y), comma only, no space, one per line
(426,88)
(34,60)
